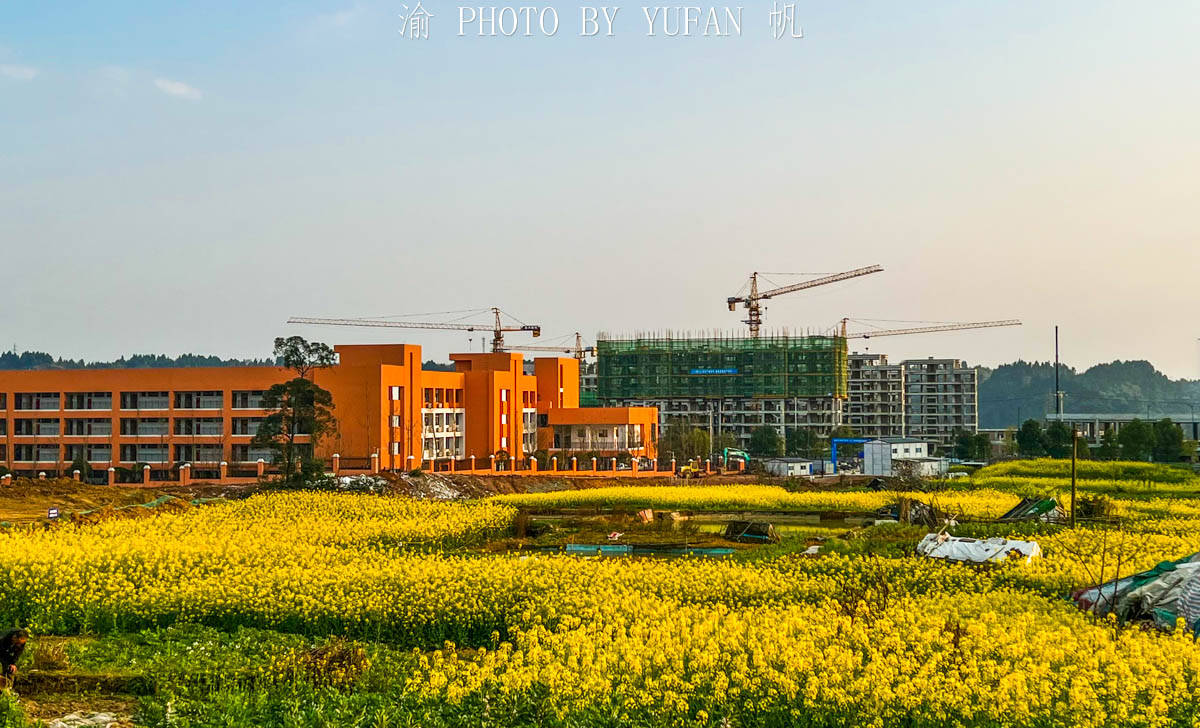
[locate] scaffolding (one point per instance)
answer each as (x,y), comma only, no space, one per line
(663,367)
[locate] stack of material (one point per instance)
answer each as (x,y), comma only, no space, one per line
(1163,594)
(945,546)
(751,532)
(910,511)
(1046,510)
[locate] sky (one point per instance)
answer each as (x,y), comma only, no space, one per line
(183,177)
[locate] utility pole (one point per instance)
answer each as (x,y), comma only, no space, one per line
(1058,394)
(1074,457)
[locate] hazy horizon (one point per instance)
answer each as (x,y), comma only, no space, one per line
(178,179)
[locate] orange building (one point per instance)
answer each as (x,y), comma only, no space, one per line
(388,409)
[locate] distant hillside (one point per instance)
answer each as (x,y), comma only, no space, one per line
(28,360)
(1014,392)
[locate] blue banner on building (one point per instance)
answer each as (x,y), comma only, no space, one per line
(732,370)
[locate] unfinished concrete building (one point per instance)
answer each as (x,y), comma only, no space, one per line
(941,399)
(875,407)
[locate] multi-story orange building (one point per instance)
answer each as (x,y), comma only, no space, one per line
(385,404)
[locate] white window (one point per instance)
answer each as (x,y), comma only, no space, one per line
(395,393)
(504,443)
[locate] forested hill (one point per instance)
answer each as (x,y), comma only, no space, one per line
(28,360)
(1014,392)
(41,360)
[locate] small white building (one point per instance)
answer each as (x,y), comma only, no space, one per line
(907,448)
(883,456)
(790,467)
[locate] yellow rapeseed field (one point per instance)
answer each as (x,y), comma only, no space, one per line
(840,640)
(976,503)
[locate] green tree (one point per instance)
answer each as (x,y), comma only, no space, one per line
(683,442)
(297,407)
(724,440)
(981,447)
(842,431)
(1031,441)
(1137,440)
(962,445)
(766,442)
(1168,441)
(1109,448)
(80,463)
(302,356)
(802,442)
(1083,449)
(1058,437)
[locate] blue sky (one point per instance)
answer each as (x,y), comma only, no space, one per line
(184,178)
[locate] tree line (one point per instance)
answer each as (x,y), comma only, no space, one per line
(30,360)
(1161,441)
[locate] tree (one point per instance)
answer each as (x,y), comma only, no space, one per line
(302,356)
(766,442)
(1058,438)
(981,447)
(1083,449)
(1137,440)
(963,444)
(683,442)
(1031,441)
(80,463)
(1168,441)
(724,440)
(842,431)
(296,407)
(802,442)
(1109,448)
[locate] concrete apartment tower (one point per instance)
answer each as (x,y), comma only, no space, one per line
(941,398)
(926,399)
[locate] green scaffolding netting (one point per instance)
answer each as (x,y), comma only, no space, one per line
(768,366)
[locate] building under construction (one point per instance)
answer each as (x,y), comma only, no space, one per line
(728,384)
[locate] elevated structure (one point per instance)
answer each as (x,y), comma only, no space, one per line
(1093,425)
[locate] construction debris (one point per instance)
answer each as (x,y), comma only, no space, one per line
(1045,510)
(1160,595)
(911,511)
(944,546)
(751,532)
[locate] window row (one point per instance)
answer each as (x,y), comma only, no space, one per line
(140,427)
(207,399)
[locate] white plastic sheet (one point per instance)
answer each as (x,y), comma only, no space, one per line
(945,546)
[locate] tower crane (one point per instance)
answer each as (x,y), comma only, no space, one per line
(753,300)
(498,328)
(927,329)
(579,351)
